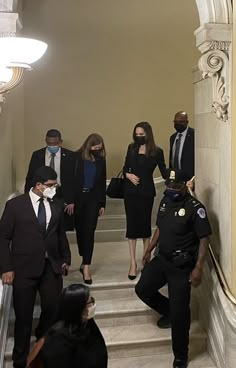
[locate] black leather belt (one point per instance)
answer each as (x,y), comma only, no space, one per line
(180,258)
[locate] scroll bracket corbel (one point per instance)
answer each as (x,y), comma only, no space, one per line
(213,64)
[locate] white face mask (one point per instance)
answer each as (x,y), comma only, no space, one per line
(91,311)
(49,192)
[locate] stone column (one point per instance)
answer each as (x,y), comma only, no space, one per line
(213,134)
(214,171)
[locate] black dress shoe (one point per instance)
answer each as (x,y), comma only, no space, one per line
(164,322)
(180,363)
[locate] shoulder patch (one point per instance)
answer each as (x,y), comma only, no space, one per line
(201,213)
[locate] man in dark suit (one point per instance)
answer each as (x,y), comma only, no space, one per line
(62,161)
(34,253)
(182,146)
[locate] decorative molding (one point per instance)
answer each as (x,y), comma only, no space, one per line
(7,34)
(7,5)
(215,11)
(219,45)
(212,65)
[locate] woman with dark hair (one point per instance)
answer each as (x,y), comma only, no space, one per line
(75,340)
(141,160)
(90,197)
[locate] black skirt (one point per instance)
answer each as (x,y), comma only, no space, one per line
(138,216)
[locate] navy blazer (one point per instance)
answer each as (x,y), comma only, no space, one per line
(23,245)
(187,157)
(99,189)
(67,170)
(144,172)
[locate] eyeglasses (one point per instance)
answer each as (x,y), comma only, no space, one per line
(91,301)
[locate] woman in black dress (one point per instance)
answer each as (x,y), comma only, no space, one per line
(89,197)
(141,160)
(75,340)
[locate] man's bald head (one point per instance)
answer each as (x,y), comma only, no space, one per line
(180,121)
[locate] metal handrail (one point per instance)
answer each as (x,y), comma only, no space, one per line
(5,308)
(219,271)
(221,277)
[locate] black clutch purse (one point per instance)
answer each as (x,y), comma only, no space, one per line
(115,188)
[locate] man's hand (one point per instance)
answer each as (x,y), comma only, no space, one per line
(146,257)
(101,211)
(8,277)
(133,178)
(69,209)
(64,269)
(196,276)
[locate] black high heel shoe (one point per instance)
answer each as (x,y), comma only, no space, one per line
(133,277)
(86,281)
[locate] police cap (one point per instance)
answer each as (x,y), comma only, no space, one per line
(175,179)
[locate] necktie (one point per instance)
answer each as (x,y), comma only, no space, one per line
(177,147)
(42,215)
(52,161)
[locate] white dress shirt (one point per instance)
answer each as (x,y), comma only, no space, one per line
(57,162)
(35,203)
(184,133)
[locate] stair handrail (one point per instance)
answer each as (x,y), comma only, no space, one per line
(219,272)
(5,308)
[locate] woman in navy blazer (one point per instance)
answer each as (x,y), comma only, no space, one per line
(141,160)
(89,197)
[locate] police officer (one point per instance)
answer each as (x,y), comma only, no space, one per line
(182,235)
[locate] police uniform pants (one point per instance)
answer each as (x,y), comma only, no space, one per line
(155,275)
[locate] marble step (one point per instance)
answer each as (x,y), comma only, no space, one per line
(117,305)
(163,360)
(147,339)
(201,360)
(110,222)
(105,235)
(115,206)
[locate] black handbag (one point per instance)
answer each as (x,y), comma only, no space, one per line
(115,188)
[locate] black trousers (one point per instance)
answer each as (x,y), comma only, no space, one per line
(86,217)
(155,275)
(49,286)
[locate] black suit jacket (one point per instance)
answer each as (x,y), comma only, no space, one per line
(99,189)
(67,170)
(22,244)
(187,157)
(144,172)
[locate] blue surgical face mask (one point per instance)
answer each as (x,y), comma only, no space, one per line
(53,149)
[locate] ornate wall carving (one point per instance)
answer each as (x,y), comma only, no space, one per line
(212,64)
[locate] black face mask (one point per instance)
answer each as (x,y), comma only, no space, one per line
(96,153)
(180,128)
(174,195)
(140,140)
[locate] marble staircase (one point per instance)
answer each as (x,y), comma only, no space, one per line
(129,327)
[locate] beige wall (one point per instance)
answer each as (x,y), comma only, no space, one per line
(12,155)
(109,65)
